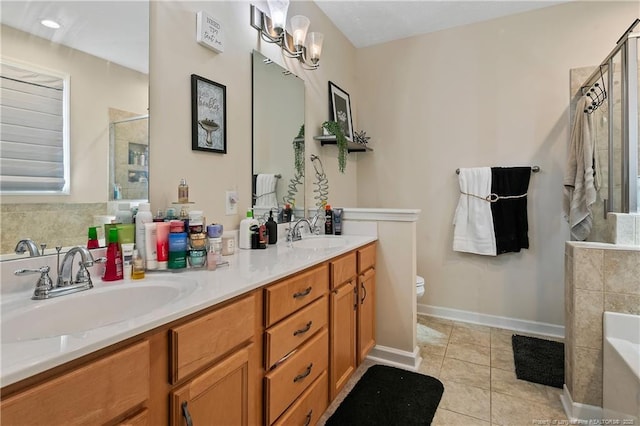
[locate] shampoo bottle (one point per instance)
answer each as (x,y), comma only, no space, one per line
(328,220)
(113,266)
(244,237)
(272,229)
(143,216)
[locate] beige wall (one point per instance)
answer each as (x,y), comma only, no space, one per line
(175,55)
(488,94)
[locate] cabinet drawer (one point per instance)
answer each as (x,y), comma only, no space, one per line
(96,393)
(199,342)
(284,384)
(343,269)
(310,406)
(292,332)
(366,258)
(139,419)
(293,293)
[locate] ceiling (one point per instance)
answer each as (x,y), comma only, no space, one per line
(367,23)
(118,30)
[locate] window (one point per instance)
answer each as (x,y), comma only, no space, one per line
(34,135)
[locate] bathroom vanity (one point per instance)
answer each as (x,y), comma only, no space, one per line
(269,340)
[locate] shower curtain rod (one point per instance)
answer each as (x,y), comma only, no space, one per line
(604,66)
(534,169)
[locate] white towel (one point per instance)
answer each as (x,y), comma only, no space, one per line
(266,190)
(473,232)
(581,180)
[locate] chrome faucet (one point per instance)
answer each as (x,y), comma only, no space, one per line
(65,284)
(28,244)
(293,233)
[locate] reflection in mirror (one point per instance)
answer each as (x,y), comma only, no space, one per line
(103,47)
(278,138)
(128,156)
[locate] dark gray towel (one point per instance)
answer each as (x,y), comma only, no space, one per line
(510,215)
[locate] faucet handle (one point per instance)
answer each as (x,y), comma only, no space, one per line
(44,283)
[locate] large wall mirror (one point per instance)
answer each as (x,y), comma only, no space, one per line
(278,144)
(103,46)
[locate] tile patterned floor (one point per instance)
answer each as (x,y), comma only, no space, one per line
(475,364)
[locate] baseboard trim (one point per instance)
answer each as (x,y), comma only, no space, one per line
(578,413)
(533,327)
(395,357)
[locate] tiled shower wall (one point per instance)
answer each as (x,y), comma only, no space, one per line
(598,277)
(43,222)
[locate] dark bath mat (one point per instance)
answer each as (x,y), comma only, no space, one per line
(389,396)
(538,360)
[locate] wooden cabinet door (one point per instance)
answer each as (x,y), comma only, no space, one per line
(366,313)
(217,396)
(342,344)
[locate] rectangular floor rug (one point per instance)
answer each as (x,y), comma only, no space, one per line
(538,360)
(389,396)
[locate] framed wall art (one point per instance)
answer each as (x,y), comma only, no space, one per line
(340,109)
(208,115)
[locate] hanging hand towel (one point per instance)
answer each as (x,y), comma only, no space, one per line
(473,232)
(580,179)
(509,211)
(266,190)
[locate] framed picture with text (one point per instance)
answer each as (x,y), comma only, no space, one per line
(208,115)
(340,109)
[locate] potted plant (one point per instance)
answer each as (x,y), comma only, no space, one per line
(334,128)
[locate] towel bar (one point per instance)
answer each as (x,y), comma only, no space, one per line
(534,169)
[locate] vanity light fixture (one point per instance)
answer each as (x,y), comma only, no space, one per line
(297,44)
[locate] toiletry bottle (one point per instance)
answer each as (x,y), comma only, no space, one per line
(113,265)
(123,215)
(183,191)
(159,217)
(328,220)
(244,237)
(137,266)
(287,213)
(272,229)
(92,241)
(337,221)
(151,245)
(178,245)
(162,239)
(143,216)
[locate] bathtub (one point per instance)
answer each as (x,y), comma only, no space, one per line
(621,367)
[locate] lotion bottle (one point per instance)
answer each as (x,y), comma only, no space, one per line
(244,237)
(143,216)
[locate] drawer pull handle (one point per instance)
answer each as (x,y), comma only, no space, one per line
(303,375)
(303,330)
(302,293)
(307,421)
(364,294)
(186,415)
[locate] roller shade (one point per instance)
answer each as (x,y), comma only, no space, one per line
(32,131)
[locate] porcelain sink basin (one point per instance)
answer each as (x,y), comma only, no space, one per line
(90,309)
(320,242)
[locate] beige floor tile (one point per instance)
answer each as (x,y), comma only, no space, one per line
(502,359)
(431,340)
(431,365)
(471,353)
(451,418)
(467,373)
(501,339)
(506,382)
(513,411)
(466,400)
(473,335)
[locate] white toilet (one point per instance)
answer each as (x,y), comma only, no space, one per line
(419,286)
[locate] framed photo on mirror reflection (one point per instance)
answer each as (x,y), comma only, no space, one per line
(208,115)
(340,109)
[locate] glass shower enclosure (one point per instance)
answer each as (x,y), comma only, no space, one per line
(616,126)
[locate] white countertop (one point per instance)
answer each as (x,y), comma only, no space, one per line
(247,270)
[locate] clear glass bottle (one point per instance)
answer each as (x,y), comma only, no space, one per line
(137,266)
(183,191)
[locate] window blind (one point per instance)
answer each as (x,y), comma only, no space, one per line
(32,131)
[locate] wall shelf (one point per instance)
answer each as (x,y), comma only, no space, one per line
(351,146)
